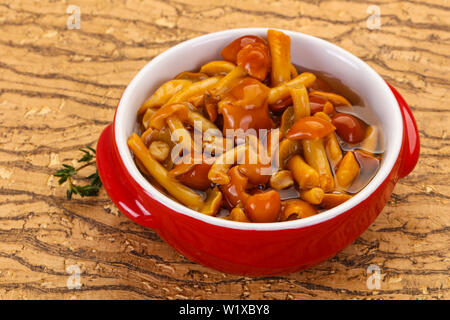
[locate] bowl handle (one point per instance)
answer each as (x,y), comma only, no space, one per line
(411,144)
(116,182)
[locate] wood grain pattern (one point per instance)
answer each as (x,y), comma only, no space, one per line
(59,89)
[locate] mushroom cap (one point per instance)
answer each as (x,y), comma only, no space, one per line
(178,110)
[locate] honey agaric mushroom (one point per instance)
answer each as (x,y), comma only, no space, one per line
(218,172)
(164,94)
(181,192)
(216,68)
(244,106)
(282,91)
(178,190)
(297,209)
(159,150)
(286,149)
(235,190)
(263,207)
(213,201)
(237,214)
(169,112)
(335,99)
(310,128)
(331,200)
(173,115)
(313,196)
(197,176)
(281,179)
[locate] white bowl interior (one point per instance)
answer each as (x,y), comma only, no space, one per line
(306,51)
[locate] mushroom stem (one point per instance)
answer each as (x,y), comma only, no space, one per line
(178,190)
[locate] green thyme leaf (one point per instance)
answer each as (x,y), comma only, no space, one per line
(67,173)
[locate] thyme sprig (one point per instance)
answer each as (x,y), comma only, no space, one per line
(68,172)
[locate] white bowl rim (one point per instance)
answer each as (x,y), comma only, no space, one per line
(382,174)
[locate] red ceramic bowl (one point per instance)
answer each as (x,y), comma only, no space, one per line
(251,248)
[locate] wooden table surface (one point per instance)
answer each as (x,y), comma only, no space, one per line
(59,89)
